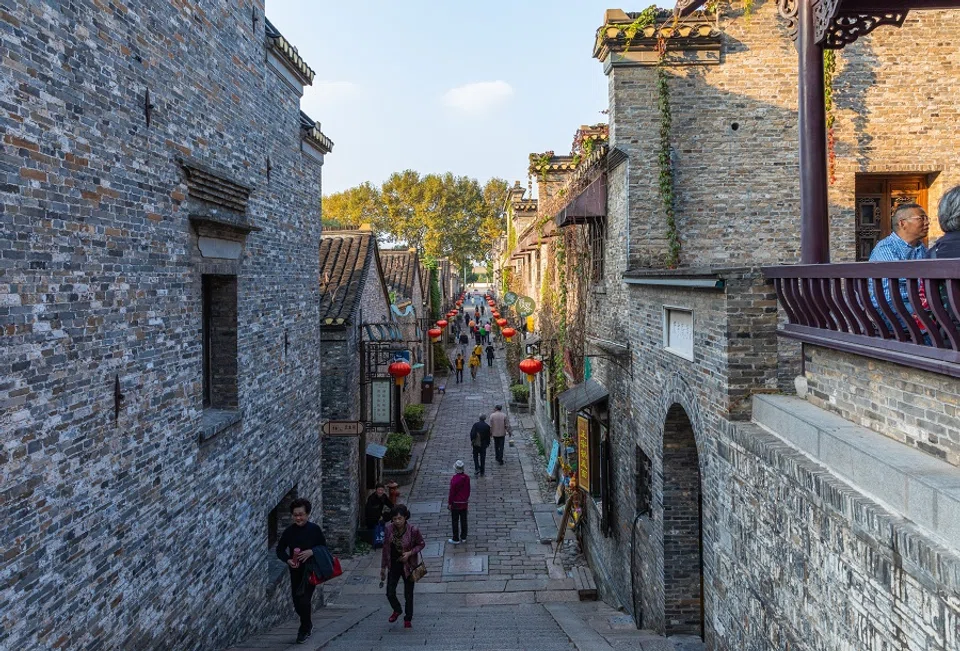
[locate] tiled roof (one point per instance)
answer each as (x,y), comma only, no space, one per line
(345,258)
(288,54)
(400,272)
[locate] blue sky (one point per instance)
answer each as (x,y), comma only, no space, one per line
(466,87)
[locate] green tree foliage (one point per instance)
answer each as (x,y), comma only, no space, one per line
(353,208)
(441,215)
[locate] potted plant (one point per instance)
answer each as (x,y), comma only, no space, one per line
(520,397)
(414,416)
(398,451)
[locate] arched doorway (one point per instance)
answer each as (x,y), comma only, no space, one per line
(682,527)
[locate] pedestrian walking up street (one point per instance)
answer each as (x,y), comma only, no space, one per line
(457,500)
(474,365)
(490,354)
(499,427)
(458,367)
(298,544)
(401,556)
(480,441)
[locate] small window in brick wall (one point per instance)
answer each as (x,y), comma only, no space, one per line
(644,479)
(220,342)
(279,518)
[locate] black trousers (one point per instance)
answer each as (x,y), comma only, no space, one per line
(498,442)
(480,459)
(459,375)
(489,361)
(302,602)
(459,519)
(393,578)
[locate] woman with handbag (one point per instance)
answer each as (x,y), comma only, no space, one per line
(402,545)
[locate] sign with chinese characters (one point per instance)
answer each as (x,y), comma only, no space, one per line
(509,299)
(583,452)
(343,428)
(678,331)
(526,306)
(381,397)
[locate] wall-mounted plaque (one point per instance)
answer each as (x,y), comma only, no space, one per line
(678,331)
(381,395)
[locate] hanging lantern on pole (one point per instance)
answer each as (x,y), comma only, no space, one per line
(502,323)
(531,367)
(399,370)
(442,323)
(435,334)
(496,315)
(508,333)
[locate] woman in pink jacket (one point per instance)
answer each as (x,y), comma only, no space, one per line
(402,544)
(457,503)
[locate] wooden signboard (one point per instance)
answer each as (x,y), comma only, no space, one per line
(562,531)
(583,452)
(343,428)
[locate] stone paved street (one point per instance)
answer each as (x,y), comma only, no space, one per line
(499,590)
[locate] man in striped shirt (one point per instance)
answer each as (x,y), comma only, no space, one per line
(910,225)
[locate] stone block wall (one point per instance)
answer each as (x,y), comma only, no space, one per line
(102,282)
(803,561)
(917,408)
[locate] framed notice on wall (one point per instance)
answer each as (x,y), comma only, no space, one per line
(381,399)
(583,452)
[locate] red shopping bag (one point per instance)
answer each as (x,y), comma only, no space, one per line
(337,571)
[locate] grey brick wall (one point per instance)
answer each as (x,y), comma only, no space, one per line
(914,407)
(115,531)
(791,557)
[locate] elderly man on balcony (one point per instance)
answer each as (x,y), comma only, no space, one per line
(910,225)
(948,212)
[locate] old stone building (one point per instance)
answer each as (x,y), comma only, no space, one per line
(736,485)
(352,294)
(160,338)
(409,308)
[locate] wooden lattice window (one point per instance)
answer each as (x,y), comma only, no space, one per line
(877,197)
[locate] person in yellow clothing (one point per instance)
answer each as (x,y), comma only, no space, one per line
(478,351)
(458,365)
(474,365)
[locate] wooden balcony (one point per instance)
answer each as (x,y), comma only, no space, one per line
(844,307)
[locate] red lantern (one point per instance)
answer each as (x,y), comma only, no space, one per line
(399,370)
(531,367)
(435,334)
(442,323)
(496,315)
(509,333)
(501,322)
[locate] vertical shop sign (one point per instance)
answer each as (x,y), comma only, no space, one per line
(583,452)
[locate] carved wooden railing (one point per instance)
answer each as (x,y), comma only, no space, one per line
(844,306)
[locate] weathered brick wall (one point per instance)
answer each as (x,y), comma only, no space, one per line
(101,280)
(340,359)
(914,407)
(804,562)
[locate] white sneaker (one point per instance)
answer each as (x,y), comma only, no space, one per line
(464,539)
(452,541)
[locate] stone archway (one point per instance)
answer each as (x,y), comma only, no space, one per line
(682,526)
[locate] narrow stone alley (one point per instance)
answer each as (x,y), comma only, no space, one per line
(501,589)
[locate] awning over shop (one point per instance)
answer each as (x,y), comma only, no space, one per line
(590,203)
(582,395)
(374,450)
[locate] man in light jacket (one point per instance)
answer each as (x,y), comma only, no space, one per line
(457,501)
(499,426)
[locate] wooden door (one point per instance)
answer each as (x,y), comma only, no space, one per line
(877,197)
